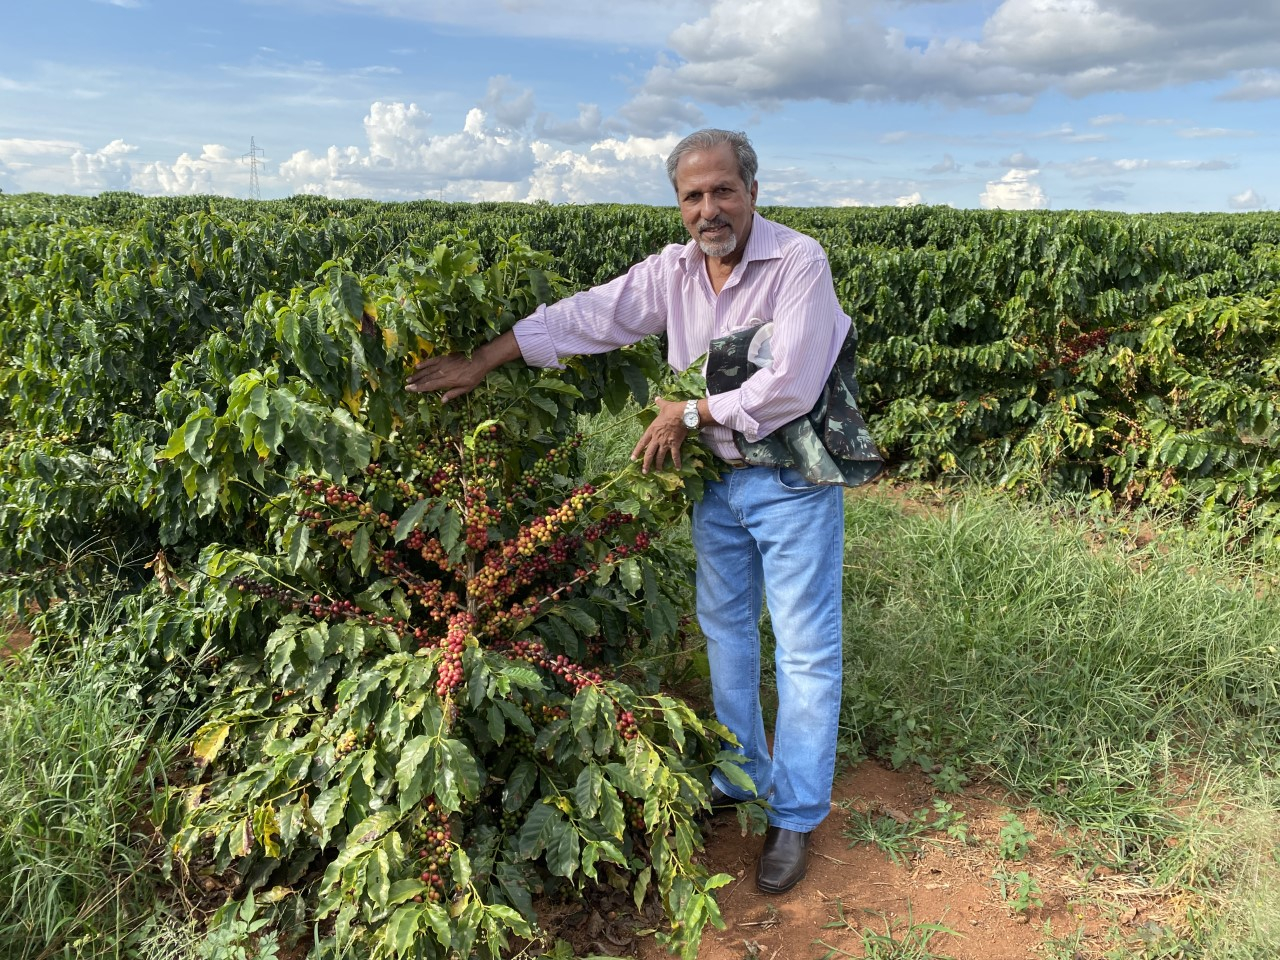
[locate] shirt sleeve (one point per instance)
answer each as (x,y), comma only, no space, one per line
(808,328)
(626,309)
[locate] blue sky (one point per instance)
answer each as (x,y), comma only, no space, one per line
(1132,105)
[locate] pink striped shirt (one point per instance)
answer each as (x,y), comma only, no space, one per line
(783,276)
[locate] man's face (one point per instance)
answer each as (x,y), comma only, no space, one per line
(715,204)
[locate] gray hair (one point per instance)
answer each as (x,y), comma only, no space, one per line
(710,139)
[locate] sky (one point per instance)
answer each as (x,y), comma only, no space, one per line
(1127,105)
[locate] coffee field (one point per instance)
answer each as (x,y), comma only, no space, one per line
(419,659)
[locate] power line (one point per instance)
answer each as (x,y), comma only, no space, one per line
(252,155)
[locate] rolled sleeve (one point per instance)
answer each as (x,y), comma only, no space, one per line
(534,340)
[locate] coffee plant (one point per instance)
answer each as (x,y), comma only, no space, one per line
(454,708)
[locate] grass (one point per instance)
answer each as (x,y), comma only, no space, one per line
(80,750)
(902,940)
(1133,693)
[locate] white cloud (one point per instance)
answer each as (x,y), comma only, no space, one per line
(217,169)
(653,115)
(1205,133)
(1016,190)
(587,128)
(510,106)
(911,200)
(764,52)
(21,150)
(1020,161)
(1248,200)
(613,170)
(1067,134)
(1104,167)
(404,160)
(1255,85)
(105,169)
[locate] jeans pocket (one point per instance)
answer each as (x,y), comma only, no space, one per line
(791,479)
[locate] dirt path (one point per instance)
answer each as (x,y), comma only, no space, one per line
(852,892)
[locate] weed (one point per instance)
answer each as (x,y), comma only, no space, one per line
(896,838)
(905,941)
(1015,839)
(1020,891)
(949,820)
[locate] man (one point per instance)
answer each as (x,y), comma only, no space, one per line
(758,530)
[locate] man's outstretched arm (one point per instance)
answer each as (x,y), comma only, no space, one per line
(454,374)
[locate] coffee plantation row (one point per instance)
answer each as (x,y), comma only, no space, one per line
(428,642)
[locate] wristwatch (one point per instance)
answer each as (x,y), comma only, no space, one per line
(691,418)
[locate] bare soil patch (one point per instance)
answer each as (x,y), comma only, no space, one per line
(14,638)
(852,890)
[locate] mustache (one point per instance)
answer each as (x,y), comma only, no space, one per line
(709,224)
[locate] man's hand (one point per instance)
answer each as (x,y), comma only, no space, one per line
(664,436)
(454,374)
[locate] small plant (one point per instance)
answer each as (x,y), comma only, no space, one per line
(949,779)
(239,932)
(1019,890)
(1065,947)
(910,941)
(893,836)
(950,820)
(1015,839)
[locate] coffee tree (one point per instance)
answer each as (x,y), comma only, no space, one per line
(439,698)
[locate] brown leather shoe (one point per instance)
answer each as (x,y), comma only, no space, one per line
(783,861)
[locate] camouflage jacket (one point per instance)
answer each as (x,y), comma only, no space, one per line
(829,444)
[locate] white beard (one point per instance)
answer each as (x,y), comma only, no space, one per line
(721,249)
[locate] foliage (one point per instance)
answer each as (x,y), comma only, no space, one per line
(1131,356)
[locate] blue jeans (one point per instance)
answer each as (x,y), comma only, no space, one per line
(767,532)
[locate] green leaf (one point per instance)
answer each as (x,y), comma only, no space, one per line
(402,928)
(346,292)
(408,521)
(612,815)
(458,776)
(641,889)
(360,548)
(537,830)
(296,540)
(520,785)
(415,774)
(460,867)
(378,878)
(515,886)
(587,791)
(629,575)
(562,849)
(450,530)
(371,828)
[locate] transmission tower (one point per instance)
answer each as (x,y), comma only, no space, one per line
(252,155)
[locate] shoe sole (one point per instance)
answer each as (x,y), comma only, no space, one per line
(765,888)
